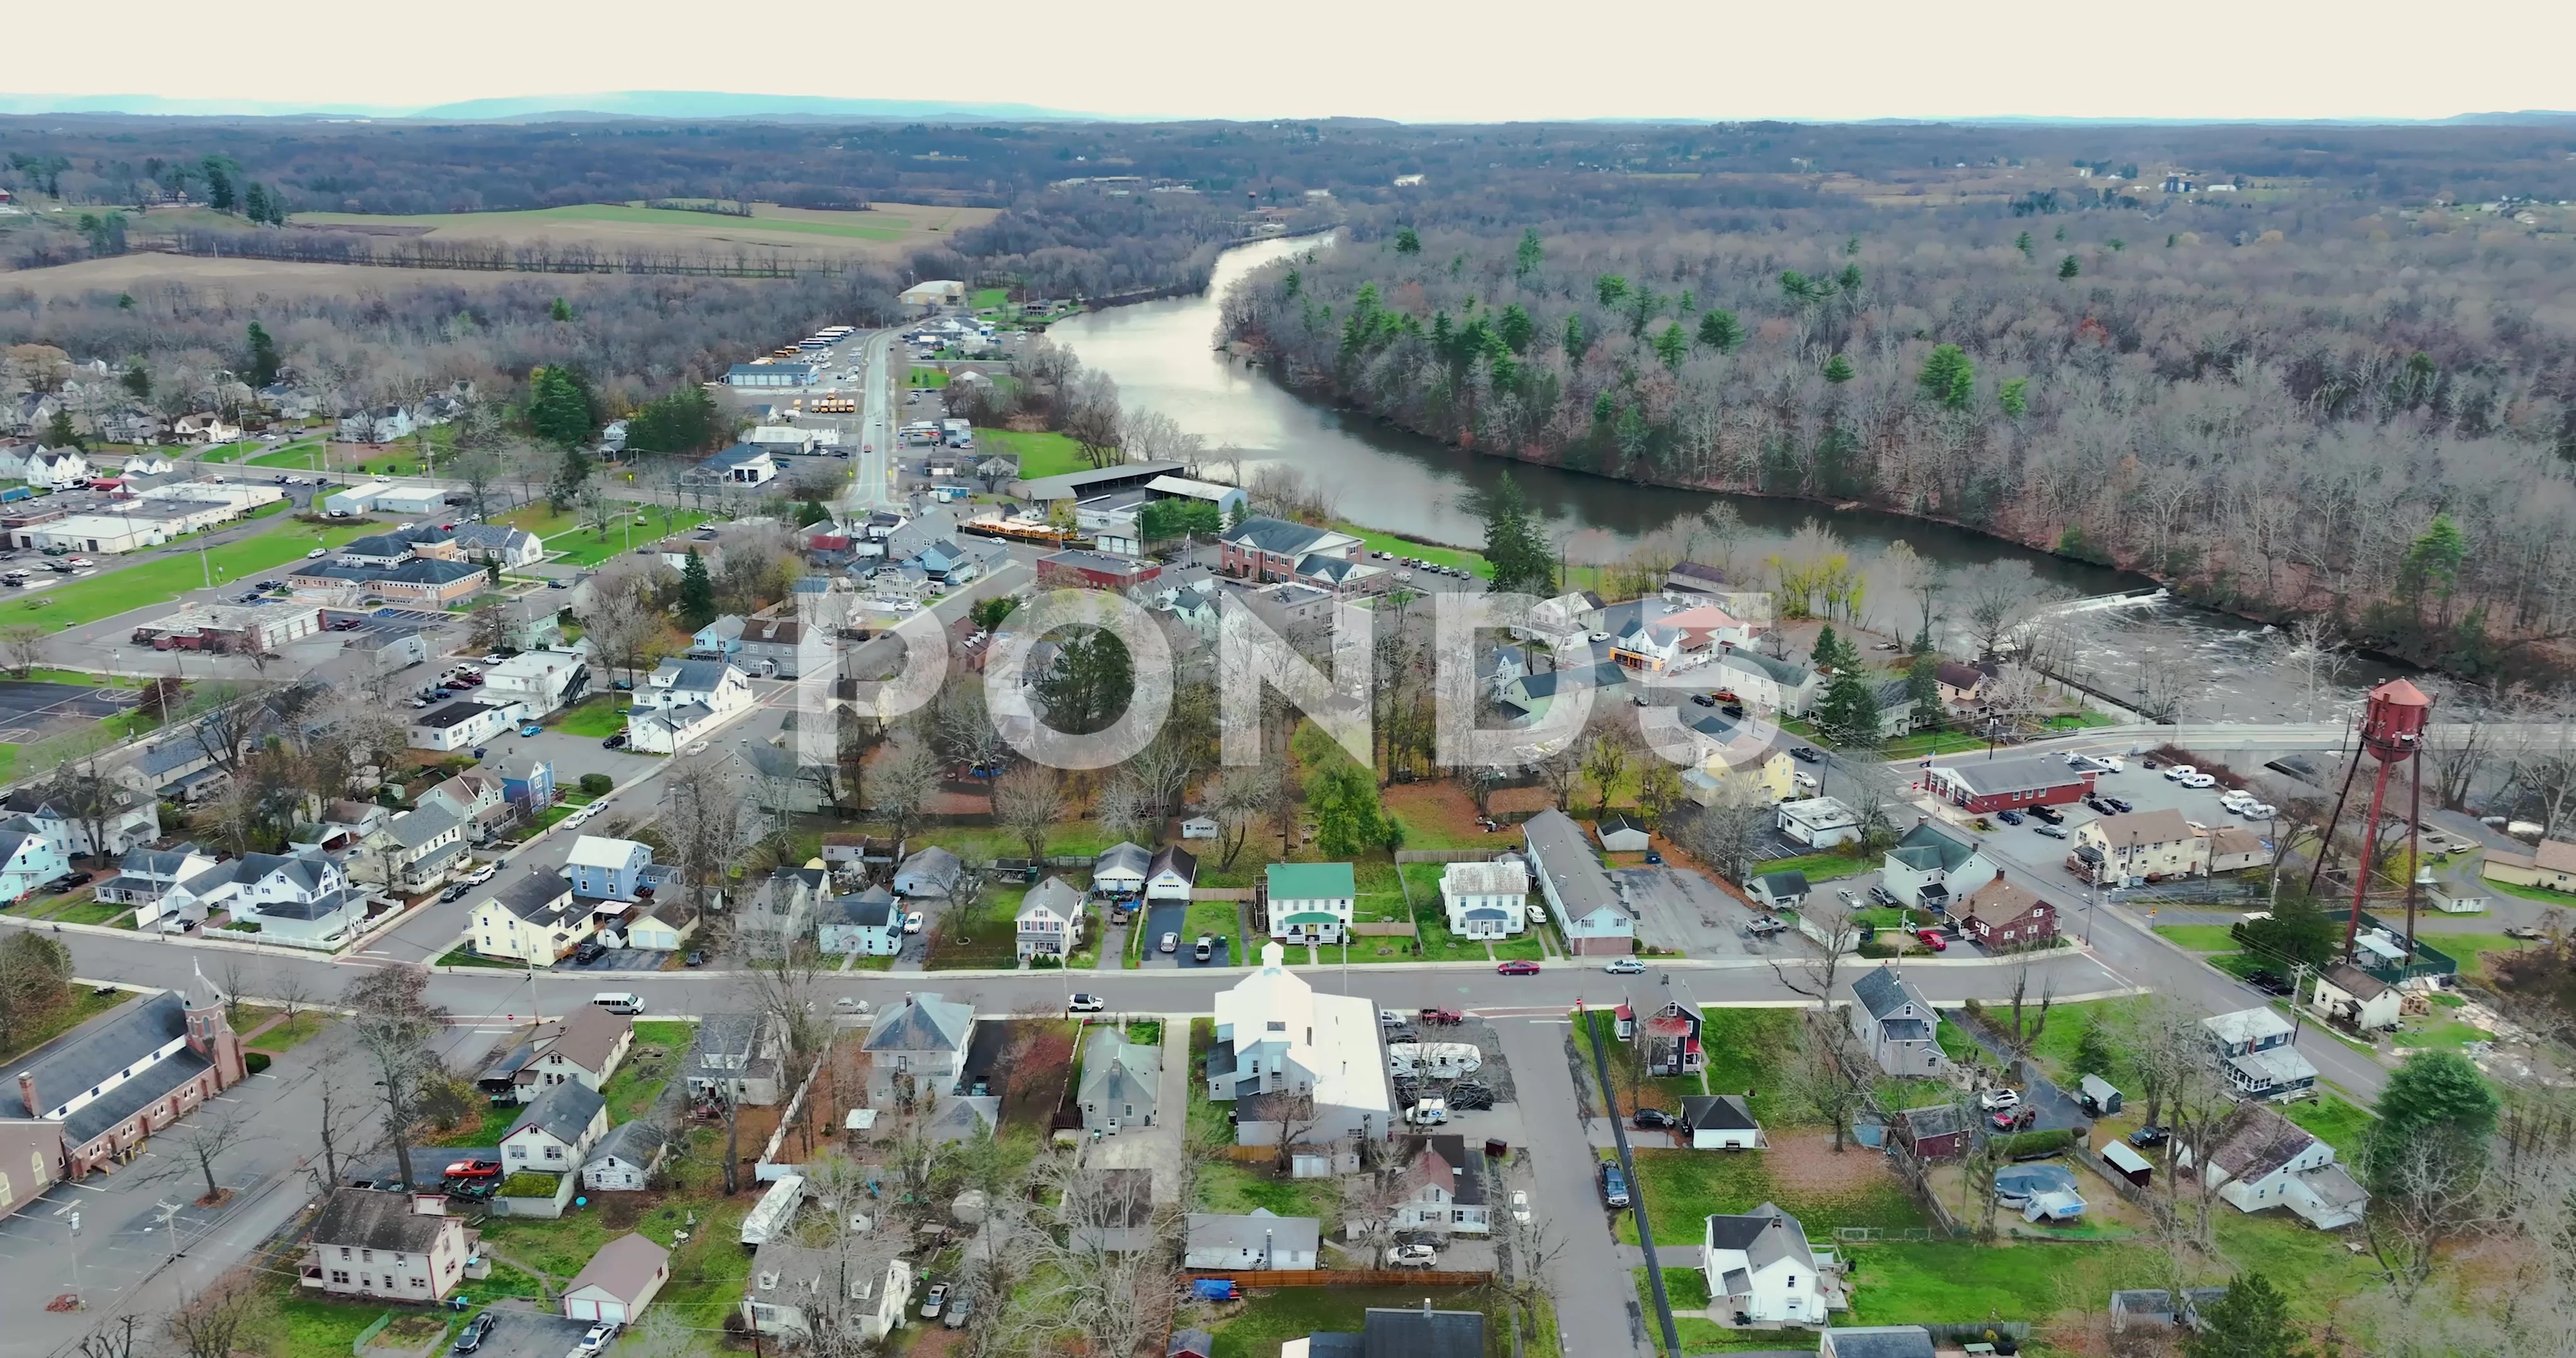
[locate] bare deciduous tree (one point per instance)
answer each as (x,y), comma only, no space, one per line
(393,1021)
(1029,801)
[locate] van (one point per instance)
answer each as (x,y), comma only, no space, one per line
(619,1001)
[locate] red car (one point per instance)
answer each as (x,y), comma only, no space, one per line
(1932,939)
(1438,1015)
(1517,969)
(474,1169)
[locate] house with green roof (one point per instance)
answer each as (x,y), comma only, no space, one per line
(1934,863)
(1309,902)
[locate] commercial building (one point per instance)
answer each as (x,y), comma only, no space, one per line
(1094,570)
(230,628)
(462,724)
(1984,786)
(116,1080)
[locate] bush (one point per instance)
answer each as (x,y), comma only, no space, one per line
(528,1184)
(2031,1145)
(254,1062)
(597,784)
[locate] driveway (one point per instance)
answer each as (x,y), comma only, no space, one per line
(619,959)
(1683,911)
(527,1333)
(1164,919)
(1596,1306)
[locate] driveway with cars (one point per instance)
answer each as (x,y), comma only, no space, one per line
(528,1333)
(1161,919)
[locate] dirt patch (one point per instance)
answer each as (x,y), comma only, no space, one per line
(248,280)
(1440,813)
(1520,801)
(1804,1162)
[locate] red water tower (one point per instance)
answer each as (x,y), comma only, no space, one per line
(2392,731)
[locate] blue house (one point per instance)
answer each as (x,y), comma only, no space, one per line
(528,784)
(719,640)
(867,923)
(609,869)
(27,859)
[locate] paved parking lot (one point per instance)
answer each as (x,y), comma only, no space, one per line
(529,1333)
(29,709)
(1682,910)
(620,959)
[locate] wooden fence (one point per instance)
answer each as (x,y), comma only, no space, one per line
(1449,855)
(1348,1277)
(1383,929)
(1220,893)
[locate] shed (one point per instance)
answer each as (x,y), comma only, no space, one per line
(619,1281)
(2127,1162)
(1935,1132)
(2097,1095)
(1780,890)
(1199,827)
(1619,834)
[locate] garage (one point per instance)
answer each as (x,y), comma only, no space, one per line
(618,1282)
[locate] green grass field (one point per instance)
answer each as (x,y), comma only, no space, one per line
(582,547)
(2199,937)
(1471,562)
(166,578)
(1819,867)
(991,297)
(1921,743)
(2529,893)
(594,716)
(610,212)
(304,455)
(927,377)
(542,519)
(1684,1187)
(1040,454)
(2472,951)
(1911,1284)
(2334,1121)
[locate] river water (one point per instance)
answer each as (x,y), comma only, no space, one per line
(1163,356)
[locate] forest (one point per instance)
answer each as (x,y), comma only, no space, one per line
(2288,402)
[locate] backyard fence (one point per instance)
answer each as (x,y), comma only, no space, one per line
(1445,855)
(1346,1277)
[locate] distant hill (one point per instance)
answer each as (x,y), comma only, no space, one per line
(559,107)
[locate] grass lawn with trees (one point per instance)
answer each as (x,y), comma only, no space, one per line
(165,579)
(2200,937)
(1683,1187)
(1819,867)
(594,716)
(1040,453)
(1473,563)
(586,547)
(1273,1316)
(78,1007)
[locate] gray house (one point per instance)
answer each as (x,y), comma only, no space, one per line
(624,1160)
(1897,1024)
(1120,1082)
(1258,1240)
(781,911)
(737,1057)
(932,872)
(918,1047)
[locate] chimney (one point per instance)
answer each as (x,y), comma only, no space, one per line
(27,1093)
(1999,874)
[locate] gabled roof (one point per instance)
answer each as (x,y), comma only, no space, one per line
(1882,992)
(923,1022)
(2162,826)
(935,863)
(1560,852)
(564,1111)
(1928,846)
(589,1035)
(1931,1119)
(1277,536)
(537,897)
(2001,777)
(600,851)
(1116,1071)
(1051,897)
(2253,1141)
(91,1054)
(1287,1235)
(1718,1113)
(2000,901)
(1882,1341)
(1504,877)
(1122,856)
(1310,881)
(2353,981)
(1765,1235)
(635,1142)
(1174,859)
(370,1219)
(417,827)
(2246,1025)
(869,909)
(625,1268)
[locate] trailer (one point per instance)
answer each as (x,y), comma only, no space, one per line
(775,1210)
(1437,1060)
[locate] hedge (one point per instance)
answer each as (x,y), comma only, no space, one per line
(2035,1144)
(597,784)
(254,1062)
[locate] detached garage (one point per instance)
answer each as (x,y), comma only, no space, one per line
(618,1281)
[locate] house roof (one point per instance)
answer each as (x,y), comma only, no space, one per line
(1116,1071)
(935,863)
(1296,1235)
(2254,1141)
(922,1022)
(1053,897)
(1931,1119)
(1956,675)
(599,851)
(2556,855)
(370,1219)
(1928,846)
(2162,826)
(626,1268)
(2003,777)
(1783,884)
(417,827)
(1278,537)
(2000,901)
(2246,1025)
(1506,877)
(1190,1344)
(1882,1341)
(690,676)
(1560,851)
(1883,992)
(1310,881)
(1718,1113)
(589,1035)
(1765,1235)
(536,898)
(1405,1332)
(869,909)
(148,1086)
(456,713)
(1122,856)
(1615,823)
(2353,981)
(1173,858)
(564,1111)
(1459,1169)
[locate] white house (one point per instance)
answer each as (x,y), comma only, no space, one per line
(1771,687)
(930,871)
(1720,1122)
(540,681)
(554,1134)
(1759,1264)
(530,918)
(1443,1190)
(463,724)
(795,1290)
(1279,1043)
(376,424)
(1931,863)
(921,1044)
(2260,1159)
(865,923)
(423,845)
(2355,999)
(1171,875)
(1310,902)
(685,700)
(128,820)
(1589,909)
(1622,835)
(57,468)
(624,1160)
(1049,921)
(2255,1048)
(1817,822)
(1486,900)
(1259,1240)
(1119,870)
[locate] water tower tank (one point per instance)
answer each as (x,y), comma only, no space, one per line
(2392,724)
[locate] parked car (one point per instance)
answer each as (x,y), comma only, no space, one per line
(1614,1185)
(2178,772)
(1517,968)
(2049,814)
(471,1337)
(1993,1099)
(615,742)
(2121,805)
(2052,831)
(1443,1017)
(2524,931)
(591,950)
(455,893)
(1703,700)
(1411,1256)
(529,728)
(2269,982)
(962,1303)
(1655,1120)
(1520,1206)
(2198,780)
(1882,896)
(2009,817)
(1804,755)
(1204,950)
(2149,1136)
(848,1004)
(1084,1002)
(938,1298)
(483,874)
(912,922)
(474,1169)
(316,554)
(697,958)
(1763,926)
(1171,943)
(1625,966)
(598,1337)
(2100,806)
(1931,938)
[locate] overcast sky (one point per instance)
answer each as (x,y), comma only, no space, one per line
(1422,60)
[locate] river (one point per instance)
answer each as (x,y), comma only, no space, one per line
(1163,356)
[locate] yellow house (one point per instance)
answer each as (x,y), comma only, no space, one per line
(1766,776)
(2552,865)
(530,919)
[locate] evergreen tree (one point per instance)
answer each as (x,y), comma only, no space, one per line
(572,472)
(2067,267)
(810,513)
(1838,370)
(1407,241)
(1923,686)
(255,201)
(1516,328)
(221,194)
(1948,379)
(559,310)
(1513,545)
(1528,256)
(1348,819)
(1848,713)
(2093,1054)
(138,379)
(558,407)
(1088,687)
(1574,339)
(1609,287)
(2013,394)
(2436,1097)
(59,432)
(684,421)
(2432,563)
(2251,1320)
(2299,934)
(1719,330)
(1828,651)
(697,593)
(262,368)
(1672,346)
(2022,243)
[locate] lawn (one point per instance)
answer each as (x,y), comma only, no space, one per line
(1635,1089)
(926,377)
(1472,562)
(1040,454)
(1952,1281)
(43,674)
(1923,743)
(1274,1316)
(1684,1187)
(642,1077)
(1224,919)
(542,519)
(81,1007)
(1228,1187)
(485,1131)
(582,547)
(2200,937)
(1687,1290)
(2055,1051)
(982,940)
(1745,1048)
(2336,1122)
(696,222)
(304,455)
(284,1036)
(594,716)
(2471,950)
(463,956)
(1819,867)
(8,760)
(991,297)
(2529,893)
(166,578)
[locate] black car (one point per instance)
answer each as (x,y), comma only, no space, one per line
(2269,982)
(1470,1102)
(2122,805)
(2100,805)
(474,1333)
(2049,814)
(591,950)
(615,742)
(1733,709)
(1804,755)
(1656,1119)
(1703,700)
(2147,1136)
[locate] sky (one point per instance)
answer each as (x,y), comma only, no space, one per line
(1418,60)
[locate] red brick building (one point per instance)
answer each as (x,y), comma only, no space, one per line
(2001,916)
(122,1077)
(1983,786)
(1094,570)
